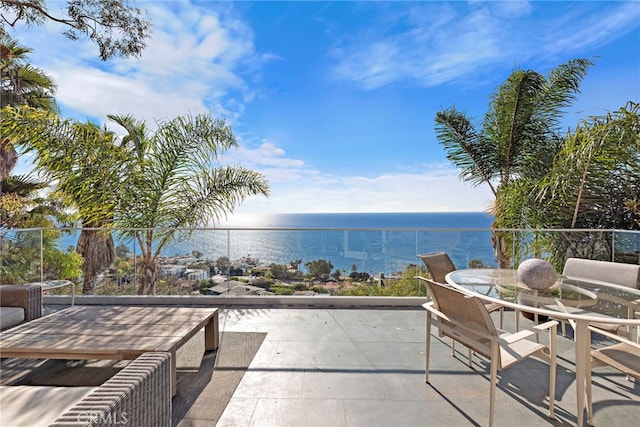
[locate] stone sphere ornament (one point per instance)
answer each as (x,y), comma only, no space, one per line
(537,273)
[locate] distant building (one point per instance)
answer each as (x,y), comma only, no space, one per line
(237,288)
(196,274)
(173,270)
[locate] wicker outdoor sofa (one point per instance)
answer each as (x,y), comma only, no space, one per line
(139,395)
(19,303)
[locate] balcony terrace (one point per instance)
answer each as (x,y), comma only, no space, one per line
(360,362)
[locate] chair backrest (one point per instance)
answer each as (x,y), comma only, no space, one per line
(438,264)
(465,309)
(612,272)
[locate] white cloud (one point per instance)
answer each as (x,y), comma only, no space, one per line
(441,43)
(196,60)
(266,157)
(298,187)
(579,30)
(441,191)
(438,45)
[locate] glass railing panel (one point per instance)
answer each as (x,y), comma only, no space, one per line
(466,248)
(627,246)
(362,261)
(21,256)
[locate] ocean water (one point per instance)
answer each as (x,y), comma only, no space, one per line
(409,220)
(367,242)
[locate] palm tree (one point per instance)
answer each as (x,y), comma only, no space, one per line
(519,136)
(594,182)
(174,180)
(153,183)
(85,163)
(20,84)
(23,206)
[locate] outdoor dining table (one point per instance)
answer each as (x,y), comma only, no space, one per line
(578,301)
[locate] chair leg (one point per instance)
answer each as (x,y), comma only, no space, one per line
(552,368)
(427,350)
(494,376)
(589,396)
(501,317)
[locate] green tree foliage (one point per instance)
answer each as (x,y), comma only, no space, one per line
(123,251)
(596,175)
(295,264)
(174,180)
(594,182)
(319,269)
(407,285)
(262,282)
(20,84)
(519,136)
(21,253)
(86,164)
(117,27)
(223,264)
(22,205)
(279,271)
(282,290)
(149,184)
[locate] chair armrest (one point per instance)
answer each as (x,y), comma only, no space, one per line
(509,339)
(139,395)
(614,336)
(29,297)
(551,325)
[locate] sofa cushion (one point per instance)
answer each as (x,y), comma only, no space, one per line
(32,406)
(10,316)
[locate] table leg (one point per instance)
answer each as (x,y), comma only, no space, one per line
(212,333)
(583,345)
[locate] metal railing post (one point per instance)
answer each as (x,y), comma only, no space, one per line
(41,255)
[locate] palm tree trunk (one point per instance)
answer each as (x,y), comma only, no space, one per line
(501,247)
(98,250)
(8,158)
(147,277)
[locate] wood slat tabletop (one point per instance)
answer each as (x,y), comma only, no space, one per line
(105,332)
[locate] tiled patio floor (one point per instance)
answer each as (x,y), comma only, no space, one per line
(365,367)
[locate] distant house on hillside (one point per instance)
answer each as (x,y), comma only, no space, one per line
(234,287)
(173,270)
(196,274)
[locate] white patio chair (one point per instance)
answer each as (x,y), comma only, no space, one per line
(439,264)
(465,319)
(624,356)
(604,271)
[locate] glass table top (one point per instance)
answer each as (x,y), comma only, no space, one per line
(567,295)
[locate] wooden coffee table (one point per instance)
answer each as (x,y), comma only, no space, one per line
(110,332)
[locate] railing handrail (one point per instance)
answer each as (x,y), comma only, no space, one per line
(243,228)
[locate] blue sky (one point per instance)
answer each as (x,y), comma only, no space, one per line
(334,102)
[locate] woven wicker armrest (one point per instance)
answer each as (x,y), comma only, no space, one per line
(139,395)
(28,297)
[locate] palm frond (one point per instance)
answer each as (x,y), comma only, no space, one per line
(465,147)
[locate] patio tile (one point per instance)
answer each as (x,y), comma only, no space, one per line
(312,353)
(298,413)
(365,367)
